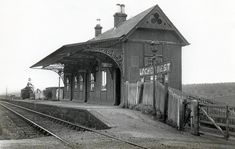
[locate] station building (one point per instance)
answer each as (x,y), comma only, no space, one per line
(96,71)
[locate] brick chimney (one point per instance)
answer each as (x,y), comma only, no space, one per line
(98,28)
(120,15)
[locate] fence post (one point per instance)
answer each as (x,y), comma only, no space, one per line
(227,123)
(137,93)
(195,117)
(126,94)
(140,98)
(183,116)
(166,102)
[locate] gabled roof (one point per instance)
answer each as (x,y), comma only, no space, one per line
(124,28)
(133,23)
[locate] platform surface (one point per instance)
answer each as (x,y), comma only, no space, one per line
(131,123)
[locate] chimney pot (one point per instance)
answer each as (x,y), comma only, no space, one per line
(98,28)
(120,15)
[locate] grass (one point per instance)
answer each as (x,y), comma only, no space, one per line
(223,93)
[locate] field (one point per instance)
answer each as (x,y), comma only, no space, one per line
(223,93)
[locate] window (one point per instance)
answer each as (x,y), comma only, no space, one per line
(81,83)
(151,77)
(104,80)
(92,78)
(75,82)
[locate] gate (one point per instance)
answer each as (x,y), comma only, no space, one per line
(215,116)
(211,118)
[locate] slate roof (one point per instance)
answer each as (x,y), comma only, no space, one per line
(127,26)
(124,28)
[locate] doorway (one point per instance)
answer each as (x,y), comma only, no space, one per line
(86,87)
(117,84)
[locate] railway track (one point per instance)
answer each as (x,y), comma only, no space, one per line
(13,124)
(52,126)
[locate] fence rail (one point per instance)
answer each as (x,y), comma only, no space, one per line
(210,114)
(218,112)
(220,116)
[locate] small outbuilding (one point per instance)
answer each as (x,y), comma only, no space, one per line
(53,93)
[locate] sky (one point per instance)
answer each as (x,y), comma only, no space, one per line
(32,29)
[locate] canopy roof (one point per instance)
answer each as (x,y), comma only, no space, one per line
(67,51)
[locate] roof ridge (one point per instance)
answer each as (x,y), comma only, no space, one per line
(124,28)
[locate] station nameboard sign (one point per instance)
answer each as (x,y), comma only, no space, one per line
(159,69)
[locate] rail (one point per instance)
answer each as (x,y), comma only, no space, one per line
(38,126)
(72,125)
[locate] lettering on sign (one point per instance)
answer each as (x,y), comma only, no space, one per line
(146,71)
(159,69)
(164,68)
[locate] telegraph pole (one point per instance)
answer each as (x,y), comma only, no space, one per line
(160,70)
(155,59)
(154,84)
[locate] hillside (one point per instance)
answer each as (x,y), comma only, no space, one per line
(219,92)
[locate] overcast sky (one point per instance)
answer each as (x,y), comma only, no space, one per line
(32,29)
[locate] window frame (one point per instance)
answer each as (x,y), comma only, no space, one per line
(75,82)
(67,83)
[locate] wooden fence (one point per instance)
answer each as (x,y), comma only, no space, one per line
(223,116)
(176,108)
(142,93)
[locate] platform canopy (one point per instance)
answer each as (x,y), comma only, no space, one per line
(72,53)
